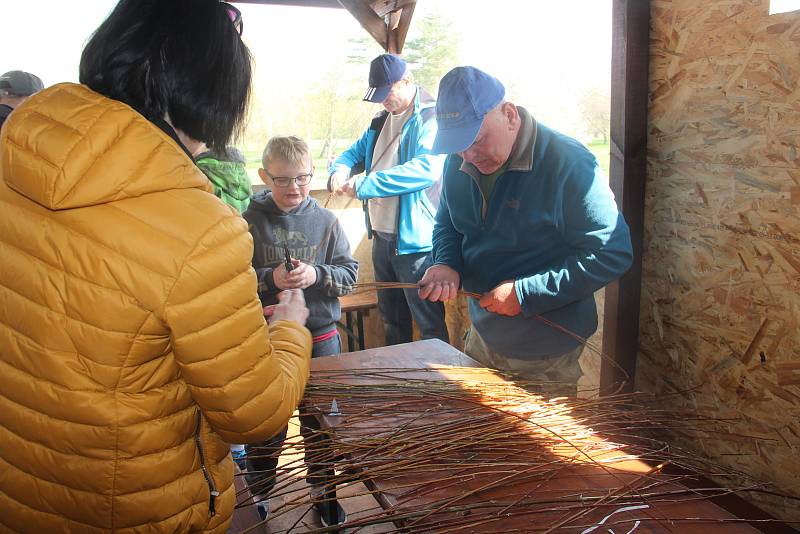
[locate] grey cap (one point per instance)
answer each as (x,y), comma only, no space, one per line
(20,83)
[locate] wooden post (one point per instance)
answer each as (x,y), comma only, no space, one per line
(629,106)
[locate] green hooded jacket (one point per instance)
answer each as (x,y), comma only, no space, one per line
(228,175)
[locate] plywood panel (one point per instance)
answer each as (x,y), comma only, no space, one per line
(721,276)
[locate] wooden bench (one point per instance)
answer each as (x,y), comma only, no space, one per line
(358,304)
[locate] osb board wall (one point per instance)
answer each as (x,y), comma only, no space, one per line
(721,280)
(351,217)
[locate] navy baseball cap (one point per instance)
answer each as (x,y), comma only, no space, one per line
(466,94)
(384,71)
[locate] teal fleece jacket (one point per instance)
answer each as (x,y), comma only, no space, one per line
(551,225)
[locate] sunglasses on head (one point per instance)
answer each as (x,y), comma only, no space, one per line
(235,16)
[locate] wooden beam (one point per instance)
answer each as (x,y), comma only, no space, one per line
(384,7)
(392,20)
(402,27)
(301,3)
(629,103)
(369,20)
(371,14)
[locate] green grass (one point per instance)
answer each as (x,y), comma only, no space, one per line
(602,152)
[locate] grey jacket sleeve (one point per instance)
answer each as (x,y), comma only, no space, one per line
(339,272)
(266,283)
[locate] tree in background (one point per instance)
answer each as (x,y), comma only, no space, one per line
(433,51)
(363,50)
(335,108)
(328,110)
(595,106)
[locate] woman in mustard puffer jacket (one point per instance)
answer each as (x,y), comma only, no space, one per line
(132,341)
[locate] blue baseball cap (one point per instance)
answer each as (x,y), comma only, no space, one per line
(384,71)
(466,94)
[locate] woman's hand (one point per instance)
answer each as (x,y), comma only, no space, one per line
(291,307)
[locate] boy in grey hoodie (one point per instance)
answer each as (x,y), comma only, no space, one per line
(296,244)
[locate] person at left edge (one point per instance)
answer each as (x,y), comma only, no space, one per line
(16,86)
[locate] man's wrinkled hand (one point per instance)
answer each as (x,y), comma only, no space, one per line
(502,300)
(439,284)
(335,182)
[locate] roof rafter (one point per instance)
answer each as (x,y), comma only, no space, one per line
(387,21)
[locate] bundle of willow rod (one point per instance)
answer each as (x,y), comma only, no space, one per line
(466,455)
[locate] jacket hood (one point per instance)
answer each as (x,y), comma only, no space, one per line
(69,147)
(263,201)
(423,99)
(229,178)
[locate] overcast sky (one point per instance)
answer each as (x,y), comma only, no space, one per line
(545,52)
(518,38)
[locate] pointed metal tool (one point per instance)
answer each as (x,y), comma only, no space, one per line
(334,408)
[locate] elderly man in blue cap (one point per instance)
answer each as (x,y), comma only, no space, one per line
(400,190)
(528,221)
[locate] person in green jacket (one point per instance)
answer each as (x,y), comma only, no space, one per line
(227,175)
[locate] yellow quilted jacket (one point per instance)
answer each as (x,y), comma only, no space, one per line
(132,342)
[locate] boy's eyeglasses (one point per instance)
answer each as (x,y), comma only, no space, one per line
(235,16)
(284,181)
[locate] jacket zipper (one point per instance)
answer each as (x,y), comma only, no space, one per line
(212,487)
(484,201)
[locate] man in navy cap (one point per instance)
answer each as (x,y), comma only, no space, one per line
(15,87)
(528,221)
(400,190)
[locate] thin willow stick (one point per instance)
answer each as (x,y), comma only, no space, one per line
(376,286)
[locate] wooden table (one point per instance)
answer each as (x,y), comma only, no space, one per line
(359,304)
(444,359)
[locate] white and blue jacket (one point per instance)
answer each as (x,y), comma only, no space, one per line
(415,179)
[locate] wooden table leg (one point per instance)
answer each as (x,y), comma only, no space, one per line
(349,320)
(360,326)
